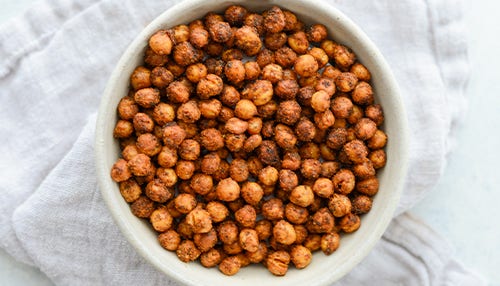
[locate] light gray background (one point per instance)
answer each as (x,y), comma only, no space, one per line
(464,205)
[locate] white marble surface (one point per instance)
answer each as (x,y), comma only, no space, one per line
(463,207)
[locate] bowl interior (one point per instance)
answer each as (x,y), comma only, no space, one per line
(323,269)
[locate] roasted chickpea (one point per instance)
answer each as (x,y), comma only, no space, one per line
(238,170)
(123,129)
(277,262)
(161,77)
(339,205)
(361,204)
(205,241)
(302,196)
(147,97)
(317,33)
(378,158)
(211,139)
(252,142)
(268,153)
(228,232)
(153,59)
(268,176)
(235,71)
(284,136)
(254,166)
(245,109)
(127,108)
(130,190)
(298,42)
(274,41)
(368,186)
(331,72)
(235,15)
(305,94)
(305,130)
(214,49)
(361,72)
(356,114)
(309,150)
(273,209)
(139,165)
(220,31)
(199,220)
(265,57)
(355,151)
(323,187)
(140,78)
(291,161)
(321,221)
(378,140)
(187,251)
(252,193)
(375,113)
(285,57)
(215,66)
(173,135)
(343,56)
(184,203)
(342,107)
(320,56)
(365,129)
(288,112)
(363,94)
(196,72)
(185,169)
(230,265)
(346,82)
(350,223)
(313,242)
(330,242)
(176,69)
(228,190)
(161,219)
(198,37)
(274,20)
(300,256)
(252,70)
(260,92)
(364,170)
(288,179)
(310,168)
(169,240)
(248,40)
(267,110)
(120,171)
(272,72)
(286,89)
(157,191)
(230,95)
(143,207)
(211,258)
(148,144)
(185,54)
(161,43)
(306,66)
(284,232)
(344,181)
(235,142)
(208,86)
(296,214)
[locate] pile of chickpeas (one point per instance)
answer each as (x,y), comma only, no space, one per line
(249,138)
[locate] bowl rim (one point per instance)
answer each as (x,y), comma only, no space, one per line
(104,181)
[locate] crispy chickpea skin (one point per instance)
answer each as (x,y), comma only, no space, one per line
(350,223)
(127,108)
(277,262)
(378,158)
(339,205)
(169,240)
(228,190)
(140,78)
(363,94)
(296,214)
(157,191)
(208,86)
(356,151)
(306,66)
(344,181)
(330,242)
(184,203)
(205,241)
(288,112)
(187,251)
(274,20)
(199,220)
(310,168)
(302,196)
(161,43)
(268,176)
(230,265)
(143,207)
(368,186)
(211,258)
(161,219)
(248,40)
(284,232)
(120,171)
(140,165)
(361,204)
(301,256)
(361,72)
(375,113)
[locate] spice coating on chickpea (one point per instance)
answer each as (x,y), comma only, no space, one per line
(249,138)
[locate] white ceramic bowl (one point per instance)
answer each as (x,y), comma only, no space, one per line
(323,269)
